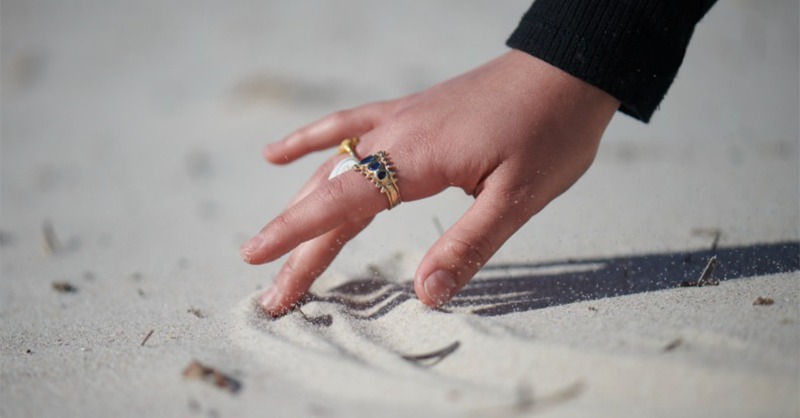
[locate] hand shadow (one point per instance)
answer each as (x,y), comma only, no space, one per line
(500,289)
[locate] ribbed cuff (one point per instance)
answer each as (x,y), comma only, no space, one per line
(630,49)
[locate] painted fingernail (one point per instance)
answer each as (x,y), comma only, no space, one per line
(440,286)
(269,301)
(249,247)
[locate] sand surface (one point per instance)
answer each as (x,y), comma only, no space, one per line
(131,138)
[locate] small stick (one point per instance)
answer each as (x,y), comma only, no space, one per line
(712,232)
(50,241)
(64,287)
(438,226)
(147,337)
(716,240)
(436,356)
(673,345)
(705,277)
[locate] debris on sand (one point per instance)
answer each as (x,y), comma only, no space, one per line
(147,337)
(673,345)
(196,370)
(49,239)
(432,358)
(196,312)
(705,278)
(64,287)
(761,301)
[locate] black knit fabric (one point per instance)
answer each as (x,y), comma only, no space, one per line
(631,49)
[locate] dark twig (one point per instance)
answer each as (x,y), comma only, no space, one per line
(49,239)
(763,301)
(438,225)
(147,337)
(64,287)
(705,278)
(435,356)
(716,233)
(673,344)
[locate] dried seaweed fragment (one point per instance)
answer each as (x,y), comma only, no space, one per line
(763,301)
(706,277)
(198,371)
(64,287)
(432,358)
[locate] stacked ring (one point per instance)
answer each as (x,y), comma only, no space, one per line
(347,146)
(378,169)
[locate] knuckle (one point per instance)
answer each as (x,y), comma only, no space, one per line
(290,268)
(278,225)
(339,117)
(471,253)
(330,193)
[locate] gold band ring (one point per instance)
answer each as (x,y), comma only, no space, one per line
(378,169)
(348,146)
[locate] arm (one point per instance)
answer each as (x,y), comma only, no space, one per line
(631,49)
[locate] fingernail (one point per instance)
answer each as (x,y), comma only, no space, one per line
(249,247)
(272,147)
(269,300)
(440,286)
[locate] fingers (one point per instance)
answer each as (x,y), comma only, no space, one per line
(325,133)
(467,246)
(319,176)
(346,198)
(306,263)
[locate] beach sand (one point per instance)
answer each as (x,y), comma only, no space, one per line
(131,171)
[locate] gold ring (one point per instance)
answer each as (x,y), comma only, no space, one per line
(348,146)
(378,169)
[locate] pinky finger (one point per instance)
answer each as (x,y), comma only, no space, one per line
(326,132)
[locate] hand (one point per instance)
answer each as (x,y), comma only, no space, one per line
(514,133)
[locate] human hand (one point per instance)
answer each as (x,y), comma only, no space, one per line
(514,133)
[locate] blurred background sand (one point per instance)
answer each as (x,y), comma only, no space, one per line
(135,129)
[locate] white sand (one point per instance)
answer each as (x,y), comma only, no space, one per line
(136,129)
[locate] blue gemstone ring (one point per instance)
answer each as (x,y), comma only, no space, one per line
(378,169)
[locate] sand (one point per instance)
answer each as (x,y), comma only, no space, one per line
(134,130)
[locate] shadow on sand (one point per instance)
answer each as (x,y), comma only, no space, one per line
(501,289)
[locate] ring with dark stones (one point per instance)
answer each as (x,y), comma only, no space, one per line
(377,168)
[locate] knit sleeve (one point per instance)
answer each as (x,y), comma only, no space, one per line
(631,49)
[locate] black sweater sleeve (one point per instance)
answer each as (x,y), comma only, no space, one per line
(629,48)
